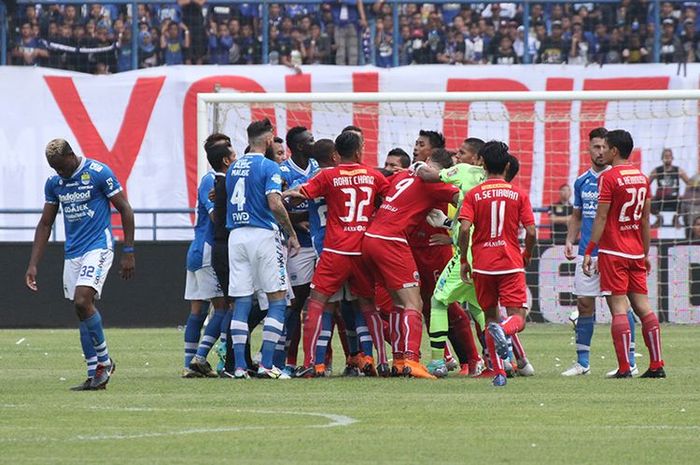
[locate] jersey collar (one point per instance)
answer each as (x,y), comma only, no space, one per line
(295,167)
(597,174)
(81,165)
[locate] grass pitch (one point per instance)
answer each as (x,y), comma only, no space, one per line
(148,415)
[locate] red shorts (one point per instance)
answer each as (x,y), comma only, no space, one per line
(620,275)
(391,263)
(382,300)
(333,270)
(510,290)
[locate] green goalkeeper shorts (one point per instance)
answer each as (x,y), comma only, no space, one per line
(450,287)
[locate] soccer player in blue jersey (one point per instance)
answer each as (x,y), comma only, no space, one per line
(84,189)
(202,285)
(257,260)
(587,288)
(297,169)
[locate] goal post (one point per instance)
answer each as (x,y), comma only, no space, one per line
(546,130)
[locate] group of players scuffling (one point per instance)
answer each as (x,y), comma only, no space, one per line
(366,251)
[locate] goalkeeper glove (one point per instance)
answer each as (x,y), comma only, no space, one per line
(437,219)
(413,169)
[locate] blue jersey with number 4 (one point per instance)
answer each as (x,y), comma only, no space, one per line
(294,175)
(248,182)
(199,253)
(586,200)
(84,199)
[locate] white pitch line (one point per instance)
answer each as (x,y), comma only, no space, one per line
(20,341)
(655,427)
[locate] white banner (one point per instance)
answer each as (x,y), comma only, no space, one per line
(143,123)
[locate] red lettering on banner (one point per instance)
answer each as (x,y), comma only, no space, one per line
(366,115)
(127,145)
(521,126)
(593,112)
(298,114)
(189,116)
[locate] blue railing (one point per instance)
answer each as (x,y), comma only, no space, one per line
(656,6)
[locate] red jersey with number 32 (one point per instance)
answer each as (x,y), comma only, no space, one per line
(350,191)
(626,189)
(496,208)
(407,203)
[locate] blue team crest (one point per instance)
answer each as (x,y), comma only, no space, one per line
(85,178)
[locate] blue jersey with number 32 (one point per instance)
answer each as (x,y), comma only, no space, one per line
(248,182)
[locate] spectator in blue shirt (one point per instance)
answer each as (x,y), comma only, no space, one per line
(29,51)
(222,46)
(173,43)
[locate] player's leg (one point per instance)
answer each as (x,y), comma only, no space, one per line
(241,289)
(614,284)
(301,270)
(460,324)
(209,289)
(486,287)
(323,341)
(363,286)
(195,320)
(446,287)
(347,311)
(586,288)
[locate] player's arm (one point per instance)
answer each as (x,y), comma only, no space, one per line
(274,201)
(684,176)
(41,238)
(530,239)
(427,173)
(463,244)
(128,262)
(573,230)
(646,233)
(601,216)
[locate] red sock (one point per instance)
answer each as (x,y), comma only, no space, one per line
(412,332)
(518,349)
(513,324)
(652,339)
(342,333)
(621,336)
(461,334)
(396,339)
(496,362)
(312,329)
(376,330)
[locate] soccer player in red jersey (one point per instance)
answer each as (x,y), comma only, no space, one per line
(386,251)
(496,209)
(350,190)
(621,233)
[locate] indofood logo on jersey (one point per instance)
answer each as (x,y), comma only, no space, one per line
(589,195)
(85,178)
(75,197)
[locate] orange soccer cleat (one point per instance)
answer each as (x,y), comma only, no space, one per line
(416,369)
(367,366)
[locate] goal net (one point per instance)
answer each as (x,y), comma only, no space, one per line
(548,132)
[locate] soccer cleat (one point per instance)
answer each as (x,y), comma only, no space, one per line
(658,373)
(488,373)
(508,368)
(329,370)
(464,369)
(301,372)
(221,353)
(499,339)
(367,366)
(319,371)
(452,364)
(499,380)
(525,368)
(351,371)
(397,367)
(619,375)
(383,370)
(201,365)
(578,370)
(84,386)
(241,373)
(476,367)
(290,370)
(271,373)
(226,374)
(634,370)
(102,375)
(415,369)
(438,368)
(188,374)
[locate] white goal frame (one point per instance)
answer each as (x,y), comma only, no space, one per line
(387,97)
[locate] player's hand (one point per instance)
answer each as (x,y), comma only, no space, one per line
(437,219)
(526,259)
(588,266)
(440,239)
(466,272)
(413,169)
(293,246)
(304,226)
(647,264)
(30,278)
(212,195)
(569,251)
(128,263)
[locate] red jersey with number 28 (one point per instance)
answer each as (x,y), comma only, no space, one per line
(407,203)
(626,189)
(350,191)
(496,208)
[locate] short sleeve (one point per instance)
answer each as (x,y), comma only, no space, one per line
(578,200)
(527,218)
(205,188)
(49,194)
(467,211)
(382,184)
(451,175)
(315,187)
(273,177)
(605,187)
(107,182)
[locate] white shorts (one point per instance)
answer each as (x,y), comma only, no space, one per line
(202,284)
(90,270)
(586,286)
(257,261)
(301,266)
(343,293)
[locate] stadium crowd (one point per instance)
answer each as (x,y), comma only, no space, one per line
(96,38)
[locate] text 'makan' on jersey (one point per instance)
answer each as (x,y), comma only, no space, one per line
(293,175)
(350,191)
(405,206)
(586,200)
(199,253)
(496,208)
(464,177)
(626,189)
(84,199)
(249,180)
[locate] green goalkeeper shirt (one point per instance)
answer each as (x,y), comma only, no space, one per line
(465,177)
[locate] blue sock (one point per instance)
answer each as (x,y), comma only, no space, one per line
(211,333)
(88,350)
(280,357)
(97,336)
(192,330)
(273,327)
(239,329)
(630,317)
(324,337)
(225,325)
(348,314)
(584,335)
(363,335)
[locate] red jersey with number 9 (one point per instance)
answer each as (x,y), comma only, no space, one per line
(626,189)
(407,204)
(496,208)
(350,191)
